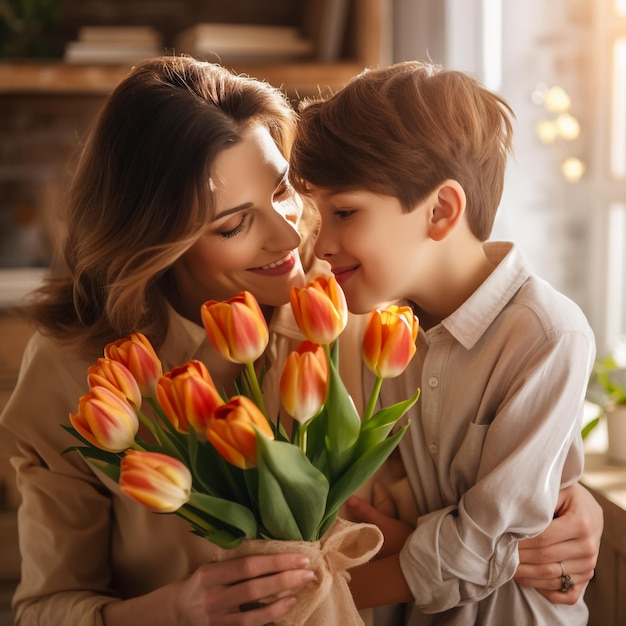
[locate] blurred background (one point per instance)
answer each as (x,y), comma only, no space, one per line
(561,64)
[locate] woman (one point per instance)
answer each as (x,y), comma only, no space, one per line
(180,196)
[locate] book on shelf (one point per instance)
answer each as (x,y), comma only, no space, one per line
(113,44)
(119,34)
(243,41)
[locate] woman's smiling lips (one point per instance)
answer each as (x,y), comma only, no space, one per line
(342,274)
(279,267)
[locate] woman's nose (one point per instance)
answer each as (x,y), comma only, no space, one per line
(283,224)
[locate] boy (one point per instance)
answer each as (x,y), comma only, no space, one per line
(406,167)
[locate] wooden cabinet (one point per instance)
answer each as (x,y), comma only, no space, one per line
(605,596)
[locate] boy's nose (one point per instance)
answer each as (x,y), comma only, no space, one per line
(323,246)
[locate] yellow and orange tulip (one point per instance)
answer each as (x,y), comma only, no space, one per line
(106,420)
(320,309)
(115,377)
(233,431)
(389,340)
(158,481)
(188,396)
(304,381)
(236,327)
(138,355)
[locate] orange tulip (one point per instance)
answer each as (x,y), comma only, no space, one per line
(389,340)
(156,480)
(320,309)
(188,396)
(304,380)
(115,377)
(138,355)
(236,327)
(233,431)
(106,420)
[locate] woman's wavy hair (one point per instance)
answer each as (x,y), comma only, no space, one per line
(403,130)
(140,196)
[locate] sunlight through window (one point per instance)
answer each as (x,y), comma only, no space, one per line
(618,112)
(616,273)
(492,43)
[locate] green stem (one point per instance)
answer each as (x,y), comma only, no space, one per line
(255,388)
(369,411)
(329,357)
(148,423)
(160,413)
(302,437)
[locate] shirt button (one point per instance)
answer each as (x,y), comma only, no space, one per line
(433,381)
(433,447)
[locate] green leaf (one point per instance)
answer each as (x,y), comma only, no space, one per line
(275,511)
(231,513)
(380,424)
(360,471)
(343,423)
(219,477)
(316,442)
(222,538)
(96,458)
(290,488)
(589,427)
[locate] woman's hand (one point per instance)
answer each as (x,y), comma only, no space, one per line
(215,594)
(572,539)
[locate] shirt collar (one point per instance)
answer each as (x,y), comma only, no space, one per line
(183,340)
(472,319)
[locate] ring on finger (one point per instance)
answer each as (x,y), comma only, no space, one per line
(566,580)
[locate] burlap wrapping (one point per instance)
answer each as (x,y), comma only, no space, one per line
(326,600)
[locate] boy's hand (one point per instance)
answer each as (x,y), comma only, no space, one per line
(395,531)
(573,538)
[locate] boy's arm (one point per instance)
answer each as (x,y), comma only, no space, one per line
(378,583)
(573,537)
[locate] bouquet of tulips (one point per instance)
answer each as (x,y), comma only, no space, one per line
(225,465)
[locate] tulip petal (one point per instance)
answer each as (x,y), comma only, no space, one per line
(156,480)
(236,327)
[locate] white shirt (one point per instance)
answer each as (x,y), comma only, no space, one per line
(494,436)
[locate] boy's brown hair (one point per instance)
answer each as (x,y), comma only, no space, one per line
(403,130)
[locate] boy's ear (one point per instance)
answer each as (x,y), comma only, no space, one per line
(448,209)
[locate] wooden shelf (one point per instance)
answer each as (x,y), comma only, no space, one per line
(49,77)
(372,47)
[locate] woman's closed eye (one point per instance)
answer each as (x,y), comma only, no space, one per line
(232,230)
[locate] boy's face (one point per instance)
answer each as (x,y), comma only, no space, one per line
(375,249)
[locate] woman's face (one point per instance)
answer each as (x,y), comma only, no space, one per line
(252,241)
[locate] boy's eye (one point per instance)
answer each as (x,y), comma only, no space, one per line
(344,214)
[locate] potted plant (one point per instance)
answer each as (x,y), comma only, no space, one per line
(608,390)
